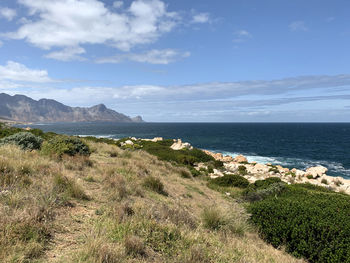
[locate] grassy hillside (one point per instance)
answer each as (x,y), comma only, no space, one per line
(117,205)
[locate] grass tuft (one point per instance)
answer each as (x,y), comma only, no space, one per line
(155,185)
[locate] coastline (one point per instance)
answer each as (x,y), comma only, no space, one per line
(254,171)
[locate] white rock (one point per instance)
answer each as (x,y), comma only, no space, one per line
(179,145)
(218,173)
(129,142)
(260,168)
(316,171)
(157,139)
(240,159)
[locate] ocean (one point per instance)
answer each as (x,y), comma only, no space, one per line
(292,145)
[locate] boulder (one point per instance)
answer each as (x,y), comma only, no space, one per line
(218,173)
(316,171)
(240,159)
(227,159)
(297,172)
(232,166)
(260,168)
(157,139)
(179,145)
(129,142)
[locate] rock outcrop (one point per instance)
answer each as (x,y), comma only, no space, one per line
(240,159)
(316,171)
(256,171)
(179,145)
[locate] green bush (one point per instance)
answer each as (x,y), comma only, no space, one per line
(260,194)
(25,140)
(309,223)
(155,185)
(242,170)
(7,131)
(61,145)
(163,151)
(194,172)
(262,184)
(231,180)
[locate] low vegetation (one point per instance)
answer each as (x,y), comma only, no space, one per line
(25,140)
(129,207)
(230,180)
(313,223)
(144,204)
(65,145)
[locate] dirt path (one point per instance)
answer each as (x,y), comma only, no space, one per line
(72,224)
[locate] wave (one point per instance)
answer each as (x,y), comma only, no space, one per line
(334,168)
(110,136)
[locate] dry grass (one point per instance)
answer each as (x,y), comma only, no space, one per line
(125,219)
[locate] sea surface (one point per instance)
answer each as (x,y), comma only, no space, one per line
(292,145)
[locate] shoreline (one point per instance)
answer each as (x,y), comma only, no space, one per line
(254,171)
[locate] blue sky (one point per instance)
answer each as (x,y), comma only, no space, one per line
(180,60)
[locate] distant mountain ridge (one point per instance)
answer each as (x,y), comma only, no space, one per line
(24,109)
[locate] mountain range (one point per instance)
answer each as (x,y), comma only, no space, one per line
(21,108)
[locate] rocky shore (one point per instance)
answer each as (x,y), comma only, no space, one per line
(253,171)
(256,171)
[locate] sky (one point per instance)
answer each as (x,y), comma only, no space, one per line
(180,60)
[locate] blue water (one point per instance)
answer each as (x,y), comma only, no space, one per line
(298,145)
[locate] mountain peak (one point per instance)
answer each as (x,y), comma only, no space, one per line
(100,107)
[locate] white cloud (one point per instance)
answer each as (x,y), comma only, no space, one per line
(242,36)
(68,54)
(1,43)
(298,26)
(8,13)
(224,91)
(201,18)
(18,72)
(118,4)
(155,56)
(72,23)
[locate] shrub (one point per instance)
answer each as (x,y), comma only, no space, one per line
(163,151)
(242,170)
(262,184)
(7,131)
(134,246)
(231,180)
(260,194)
(194,172)
(213,218)
(60,145)
(185,174)
(324,181)
(309,223)
(25,140)
(197,254)
(10,176)
(155,185)
(309,176)
(218,164)
(68,187)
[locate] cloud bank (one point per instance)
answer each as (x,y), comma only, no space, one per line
(69,24)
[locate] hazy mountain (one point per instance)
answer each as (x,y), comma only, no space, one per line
(24,109)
